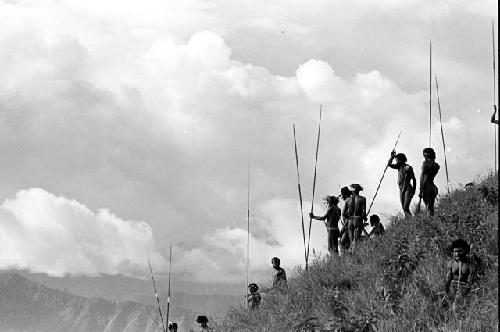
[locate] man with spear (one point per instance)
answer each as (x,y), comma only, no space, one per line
(332,217)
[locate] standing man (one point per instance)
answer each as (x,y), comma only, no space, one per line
(345,242)
(355,211)
(332,216)
(279,278)
(428,190)
(406,180)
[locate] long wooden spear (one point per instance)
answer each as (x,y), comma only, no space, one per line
(494,89)
(156,296)
(248,226)
(442,137)
(382,178)
(300,197)
(430,93)
(168,292)
(314,180)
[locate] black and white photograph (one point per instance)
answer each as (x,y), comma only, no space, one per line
(249,165)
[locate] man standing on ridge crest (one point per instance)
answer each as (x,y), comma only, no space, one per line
(355,211)
(406,180)
(428,190)
(332,217)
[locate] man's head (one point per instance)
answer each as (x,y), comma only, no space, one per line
(374,220)
(400,158)
(203,320)
(253,287)
(356,188)
(331,200)
(276,262)
(460,249)
(429,153)
(172,327)
(345,193)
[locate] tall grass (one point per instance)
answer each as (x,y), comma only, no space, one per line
(394,282)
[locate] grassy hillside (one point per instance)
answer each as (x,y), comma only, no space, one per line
(395,282)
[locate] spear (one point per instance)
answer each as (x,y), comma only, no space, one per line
(430,92)
(442,137)
(383,174)
(300,196)
(248,225)
(494,90)
(168,292)
(156,296)
(314,179)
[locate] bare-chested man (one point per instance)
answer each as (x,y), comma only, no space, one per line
(279,278)
(253,297)
(345,242)
(332,217)
(203,321)
(355,211)
(460,272)
(406,180)
(428,190)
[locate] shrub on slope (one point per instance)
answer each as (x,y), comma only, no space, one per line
(394,282)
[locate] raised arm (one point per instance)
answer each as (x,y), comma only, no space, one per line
(389,162)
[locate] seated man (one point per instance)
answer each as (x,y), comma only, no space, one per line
(253,297)
(378,228)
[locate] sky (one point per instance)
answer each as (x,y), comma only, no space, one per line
(127,126)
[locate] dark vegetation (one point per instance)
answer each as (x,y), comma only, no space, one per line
(394,282)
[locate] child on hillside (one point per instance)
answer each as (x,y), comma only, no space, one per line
(253,297)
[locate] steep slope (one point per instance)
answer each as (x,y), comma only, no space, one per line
(30,306)
(394,282)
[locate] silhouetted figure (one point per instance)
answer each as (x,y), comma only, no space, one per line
(493,120)
(378,228)
(172,327)
(355,211)
(332,217)
(254,297)
(406,180)
(203,321)
(279,278)
(345,241)
(428,190)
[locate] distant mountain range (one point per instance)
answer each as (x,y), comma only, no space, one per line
(30,306)
(111,303)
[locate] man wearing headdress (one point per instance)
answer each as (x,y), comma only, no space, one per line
(355,211)
(332,217)
(428,190)
(253,297)
(406,180)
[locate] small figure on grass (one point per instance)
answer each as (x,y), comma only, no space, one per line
(279,277)
(406,180)
(332,217)
(172,327)
(253,298)
(203,321)
(460,273)
(377,227)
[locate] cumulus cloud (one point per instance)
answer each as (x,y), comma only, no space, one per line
(154,110)
(42,232)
